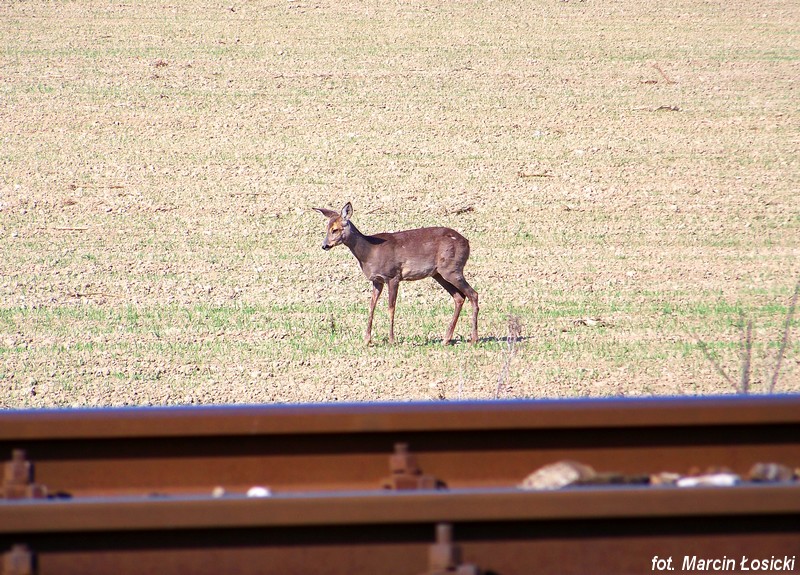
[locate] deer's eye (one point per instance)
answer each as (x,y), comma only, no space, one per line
(336,231)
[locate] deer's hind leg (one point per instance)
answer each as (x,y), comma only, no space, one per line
(458,300)
(458,284)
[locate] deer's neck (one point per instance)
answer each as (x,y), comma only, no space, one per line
(359,244)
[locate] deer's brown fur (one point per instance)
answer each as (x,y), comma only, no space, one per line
(389,258)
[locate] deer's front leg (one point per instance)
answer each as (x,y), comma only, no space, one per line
(394,284)
(377,288)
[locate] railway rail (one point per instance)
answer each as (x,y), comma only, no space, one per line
(400,488)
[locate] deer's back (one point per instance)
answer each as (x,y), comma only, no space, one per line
(419,253)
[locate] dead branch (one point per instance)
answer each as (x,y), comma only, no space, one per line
(590,322)
(66,229)
(663,75)
(785,340)
(459,210)
(514,334)
(522,174)
(93,294)
(106,186)
(746,351)
(704,348)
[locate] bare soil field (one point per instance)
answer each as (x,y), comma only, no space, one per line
(626,172)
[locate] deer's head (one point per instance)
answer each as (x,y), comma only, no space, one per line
(338,226)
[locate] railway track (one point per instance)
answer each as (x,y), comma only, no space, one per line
(400,488)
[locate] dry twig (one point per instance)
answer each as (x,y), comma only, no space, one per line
(459,210)
(105,186)
(663,75)
(66,229)
(746,352)
(514,333)
(704,348)
(522,174)
(590,322)
(785,340)
(93,294)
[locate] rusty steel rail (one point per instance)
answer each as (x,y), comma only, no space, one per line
(610,530)
(320,447)
(130,489)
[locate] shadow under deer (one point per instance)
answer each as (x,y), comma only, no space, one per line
(389,258)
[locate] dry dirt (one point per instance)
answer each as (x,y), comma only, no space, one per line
(627,174)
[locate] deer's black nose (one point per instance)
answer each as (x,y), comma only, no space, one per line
(326,247)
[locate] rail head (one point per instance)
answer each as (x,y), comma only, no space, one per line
(378,507)
(248,420)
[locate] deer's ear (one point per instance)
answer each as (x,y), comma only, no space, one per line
(326,213)
(347,211)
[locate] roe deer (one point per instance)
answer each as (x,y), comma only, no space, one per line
(389,258)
